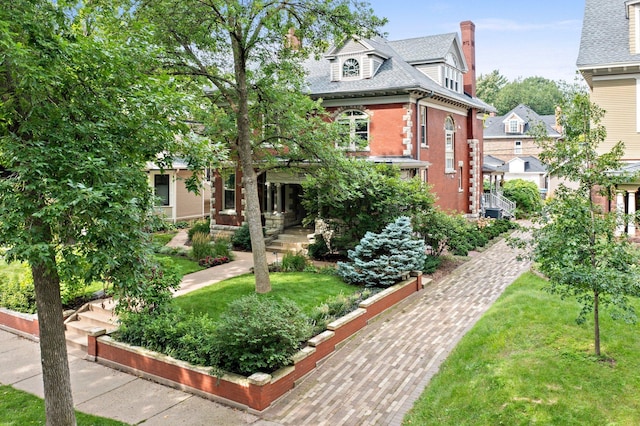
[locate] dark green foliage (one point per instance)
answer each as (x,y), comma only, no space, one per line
(319,249)
(156,293)
(382,259)
(294,262)
(260,334)
(357,196)
(186,337)
(525,194)
(241,239)
(431,264)
(201,246)
(538,93)
(203,227)
(222,247)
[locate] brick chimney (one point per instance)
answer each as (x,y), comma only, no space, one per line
(468,30)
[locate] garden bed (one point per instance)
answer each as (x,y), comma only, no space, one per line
(260,390)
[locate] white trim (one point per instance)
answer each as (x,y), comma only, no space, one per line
(638,104)
(447,109)
(637,23)
(616,77)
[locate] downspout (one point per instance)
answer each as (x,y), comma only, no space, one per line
(418,135)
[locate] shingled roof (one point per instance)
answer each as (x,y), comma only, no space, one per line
(605,35)
(495,128)
(395,75)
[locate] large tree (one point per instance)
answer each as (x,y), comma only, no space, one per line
(489,86)
(248,56)
(80,115)
(577,247)
(538,93)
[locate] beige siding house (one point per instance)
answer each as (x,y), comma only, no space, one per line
(174,202)
(609,60)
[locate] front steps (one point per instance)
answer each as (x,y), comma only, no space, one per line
(294,239)
(95,314)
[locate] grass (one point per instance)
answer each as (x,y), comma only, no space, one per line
(184,265)
(18,408)
(528,362)
(162,238)
(306,289)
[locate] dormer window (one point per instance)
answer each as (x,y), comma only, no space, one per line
(513,126)
(351,68)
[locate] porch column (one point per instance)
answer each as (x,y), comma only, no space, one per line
(278,197)
(620,212)
(631,210)
(269,201)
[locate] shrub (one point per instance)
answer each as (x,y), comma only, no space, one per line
(431,264)
(525,194)
(189,338)
(17,292)
(319,249)
(201,246)
(381,259)
(294,262)
(203,227)
(241,239)
(335,307)
(259,334)
(155,294)
(211,261)
(222,247)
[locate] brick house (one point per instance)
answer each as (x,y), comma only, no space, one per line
(410,103)
(609,61)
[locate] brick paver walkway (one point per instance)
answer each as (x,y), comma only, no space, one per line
(376,377)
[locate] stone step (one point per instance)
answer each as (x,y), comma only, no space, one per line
(76,340)
(105,305)
(83,326)
(97,318)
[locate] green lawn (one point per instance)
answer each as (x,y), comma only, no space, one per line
(306,289)
(162,238)
(527,362)
(18,408)
(185,266)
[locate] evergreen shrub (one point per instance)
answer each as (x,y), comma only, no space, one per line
(381,259)
(241,239)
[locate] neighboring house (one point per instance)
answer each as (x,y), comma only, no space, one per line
(410,103)
(609,61)
(174,202)
(508,136)
(527,168)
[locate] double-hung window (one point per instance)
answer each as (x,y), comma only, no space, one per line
(517,147)
(449,145)
(356,130)
(230,193)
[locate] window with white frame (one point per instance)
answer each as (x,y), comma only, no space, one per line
(423,125)
(356,130)
(229,200)
(513,126)
(460,188)
(449,145)
(351,68)
(517,147)
(161,189)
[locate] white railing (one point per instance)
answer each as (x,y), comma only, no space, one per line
(497,201)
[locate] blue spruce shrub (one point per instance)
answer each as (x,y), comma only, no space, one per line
(381,259)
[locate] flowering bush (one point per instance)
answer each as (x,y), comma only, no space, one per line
(210,261)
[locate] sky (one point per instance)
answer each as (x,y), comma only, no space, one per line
(517,38)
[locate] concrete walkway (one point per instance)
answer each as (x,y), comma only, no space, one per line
(373,379)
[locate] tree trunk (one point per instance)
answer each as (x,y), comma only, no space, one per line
(596,322)
(249,176)
(53,347)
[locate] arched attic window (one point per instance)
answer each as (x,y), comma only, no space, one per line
(356,130)
(351,68)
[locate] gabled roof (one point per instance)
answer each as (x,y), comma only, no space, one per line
(395,76)
(494,126)
(430,49)
(493,164)
(605,35)
(531,164)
